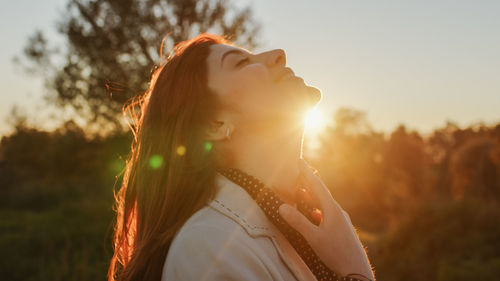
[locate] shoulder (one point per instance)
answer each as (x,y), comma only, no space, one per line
(208,225)
(211,246)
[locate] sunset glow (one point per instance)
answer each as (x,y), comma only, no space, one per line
(314,121)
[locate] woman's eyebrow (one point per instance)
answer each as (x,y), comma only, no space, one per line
(229,52)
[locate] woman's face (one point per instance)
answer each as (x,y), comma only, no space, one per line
(258,88)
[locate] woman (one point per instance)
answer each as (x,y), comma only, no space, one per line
(217,149)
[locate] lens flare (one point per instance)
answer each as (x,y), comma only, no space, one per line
(208,146)
(314,120)
(155,161)
(181,150)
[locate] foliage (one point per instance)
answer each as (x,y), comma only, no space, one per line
(56,203)
(112,46)
(56,199)
(448,241)
(426,208)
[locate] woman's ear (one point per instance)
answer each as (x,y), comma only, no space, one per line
(215,131)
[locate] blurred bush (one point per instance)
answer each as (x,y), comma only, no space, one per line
(56,194)
(425,208)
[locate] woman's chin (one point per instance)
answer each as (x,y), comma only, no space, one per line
(302,96)
(298,85)
(314,95)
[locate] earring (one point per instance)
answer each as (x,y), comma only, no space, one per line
(227,133)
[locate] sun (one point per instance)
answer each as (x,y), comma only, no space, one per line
(314,121)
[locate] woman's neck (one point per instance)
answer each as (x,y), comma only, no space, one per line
(272,159)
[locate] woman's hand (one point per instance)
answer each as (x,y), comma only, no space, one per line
(334,240)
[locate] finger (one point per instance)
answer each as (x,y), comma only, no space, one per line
(316,186)
(347,217)
(297,220)
(312,182)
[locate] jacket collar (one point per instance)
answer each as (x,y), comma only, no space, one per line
(233,201)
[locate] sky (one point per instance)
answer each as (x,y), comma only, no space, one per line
(417,63)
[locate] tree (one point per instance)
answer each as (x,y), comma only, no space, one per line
(113,46)
(351,164)
(475,169)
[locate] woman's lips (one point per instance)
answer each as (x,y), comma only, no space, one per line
(313,93)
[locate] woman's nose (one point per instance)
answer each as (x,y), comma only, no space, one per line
(276,57)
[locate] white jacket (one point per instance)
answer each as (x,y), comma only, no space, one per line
(232,239)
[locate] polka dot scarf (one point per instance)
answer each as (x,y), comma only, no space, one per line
(269,203)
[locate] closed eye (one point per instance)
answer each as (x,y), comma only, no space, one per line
(241,61)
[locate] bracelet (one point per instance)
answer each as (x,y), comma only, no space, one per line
(351,274)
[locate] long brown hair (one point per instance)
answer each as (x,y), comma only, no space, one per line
(170,170)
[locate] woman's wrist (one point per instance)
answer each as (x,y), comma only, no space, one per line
(358,267)
(356,263)
(360,277)
(360,263)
